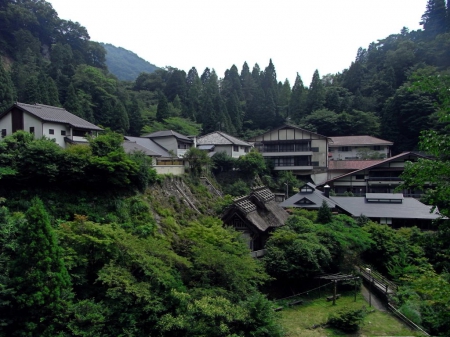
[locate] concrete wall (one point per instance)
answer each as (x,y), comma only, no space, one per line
(176,170)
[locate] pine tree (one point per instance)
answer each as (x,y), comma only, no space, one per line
(162,112)
(324,214)
(7,92)
(38,276)
(72,103)
(316,94)
(135,115)
(297,102)
(434,20)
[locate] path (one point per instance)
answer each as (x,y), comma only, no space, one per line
(377,303)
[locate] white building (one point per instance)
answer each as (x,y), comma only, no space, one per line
(357,147)
(49,121)
(219,141)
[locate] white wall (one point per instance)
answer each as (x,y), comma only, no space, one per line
(170,169)
(5,123)
(57,128)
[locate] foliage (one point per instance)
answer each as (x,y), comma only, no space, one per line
(324,214)
(347,320)
(252,163)
(237,189)
(125,64)
(302,249)
(198,161)
(38,276)
(223,162)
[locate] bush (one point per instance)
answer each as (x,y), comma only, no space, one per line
(347,320)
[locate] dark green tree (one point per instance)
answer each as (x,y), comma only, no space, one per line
(6,89)
(72,103)
(316,94)
(298,100)
(324,214)
(162,111)
(38,276)
(434,20)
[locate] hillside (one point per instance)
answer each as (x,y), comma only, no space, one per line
(125,64)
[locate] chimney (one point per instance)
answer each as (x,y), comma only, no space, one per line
(327,191)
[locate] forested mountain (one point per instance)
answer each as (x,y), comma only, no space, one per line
(52,61)
(125,64)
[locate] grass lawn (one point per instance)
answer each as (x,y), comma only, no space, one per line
(298,320)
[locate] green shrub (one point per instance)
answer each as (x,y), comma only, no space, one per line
(347,320)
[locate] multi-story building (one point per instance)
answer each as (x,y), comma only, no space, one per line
(359,147)
(291,148)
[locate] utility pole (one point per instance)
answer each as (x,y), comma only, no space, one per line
(370,285)
(334,292)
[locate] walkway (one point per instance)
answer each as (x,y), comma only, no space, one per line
(377,303)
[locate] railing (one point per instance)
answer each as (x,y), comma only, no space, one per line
(384,179)
(306,149)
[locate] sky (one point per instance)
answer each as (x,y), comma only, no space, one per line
(299,36)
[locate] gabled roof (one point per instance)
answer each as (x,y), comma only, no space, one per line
(131,147)
(263,213)
(357,140)
(315,199)
(54,114)
(399,156)
(150,145)
(220,138)
(351,164)
(409,208)
(168,133)
(286,125)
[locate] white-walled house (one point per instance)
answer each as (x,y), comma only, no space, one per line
(222,142)
(49,121)
(172,141)
(354,147)
(291,148)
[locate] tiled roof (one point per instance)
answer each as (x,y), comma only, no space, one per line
(150,145)
(58,115)
(220,138)
(410,208)
(287,125)
(351,164)
(131,147)
(168,133)
(404,154)
(357,140)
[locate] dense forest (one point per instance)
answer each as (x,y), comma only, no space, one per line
(125,64)
(53,61)
(94,243)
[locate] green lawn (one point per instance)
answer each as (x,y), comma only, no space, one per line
(297,321)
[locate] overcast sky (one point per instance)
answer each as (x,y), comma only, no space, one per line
(298,35)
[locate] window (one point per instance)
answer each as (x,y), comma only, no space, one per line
(377,148)
(183,146)
(3,133)
(345,148)
(359,176)
(32,129)
(63,132)
(304,201)
(51,131)
(246,150)
(235,148)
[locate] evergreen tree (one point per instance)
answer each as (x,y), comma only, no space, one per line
(194,86)
(53,95)
(162,112)
(297,102)
(38,276)
(434,20)
(324,214)
(7,94)
(316,94)
(135,115)
(72,103)
(32,92)
(284,90)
